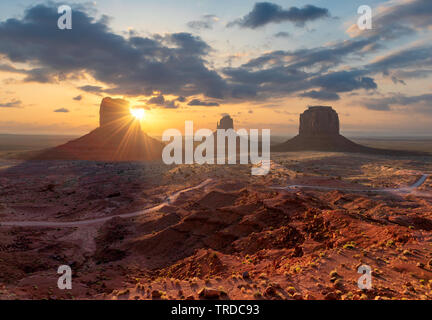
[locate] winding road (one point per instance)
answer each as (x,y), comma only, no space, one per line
(174,196)
(408,189)
(78,223)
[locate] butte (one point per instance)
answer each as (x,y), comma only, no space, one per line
(119,137)
(319,131)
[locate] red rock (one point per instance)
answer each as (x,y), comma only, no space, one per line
(319,131)
(226,123)
(112,111)
(119,138)
(209,294)
(156,294)
(319,121)
(331,296)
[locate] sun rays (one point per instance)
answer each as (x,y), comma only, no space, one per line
(138,113)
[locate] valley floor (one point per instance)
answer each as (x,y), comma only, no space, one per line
(236,236)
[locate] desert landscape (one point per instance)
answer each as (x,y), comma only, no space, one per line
(146,230)
(238,151)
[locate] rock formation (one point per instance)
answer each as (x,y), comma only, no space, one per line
(118,138)
(226,123)
(319,131)
(319,121)
(112,111)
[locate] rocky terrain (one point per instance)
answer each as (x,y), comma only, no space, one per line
(145,230)
(237,237)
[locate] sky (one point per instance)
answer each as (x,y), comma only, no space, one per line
(261,62)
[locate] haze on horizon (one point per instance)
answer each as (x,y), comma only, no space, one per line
(261,62)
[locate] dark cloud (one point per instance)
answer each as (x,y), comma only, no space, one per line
(324,57)
(415,56)
(344,81)
(266,12)
(78,98)
(158,100)
(62,110)
(11,104)
(282,34)
(173,64)
(321,95)
(171,105)
(198,102)
(162,102)
(92,89)
(423,103)
(206,22)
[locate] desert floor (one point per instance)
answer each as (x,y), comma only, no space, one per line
(237,236)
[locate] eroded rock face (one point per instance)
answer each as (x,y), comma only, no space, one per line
(113,111)
(319,121)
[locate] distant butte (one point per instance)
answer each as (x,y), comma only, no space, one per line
(226,123)
(118,138)
(319,131)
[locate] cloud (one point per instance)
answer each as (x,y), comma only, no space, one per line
(324,56)
(422,103)
(171,105)
(177,64)
(207,22)
(198,102)
(62,110)
(396,19)
(10,68)
(158,100)
(282,34)
(11,104)
(345,81)
(92,89)
(78,98)
(418,56)
(134,65)
(162,102)
(266,12)
(321,95)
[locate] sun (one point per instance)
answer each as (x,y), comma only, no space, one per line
(138,113)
